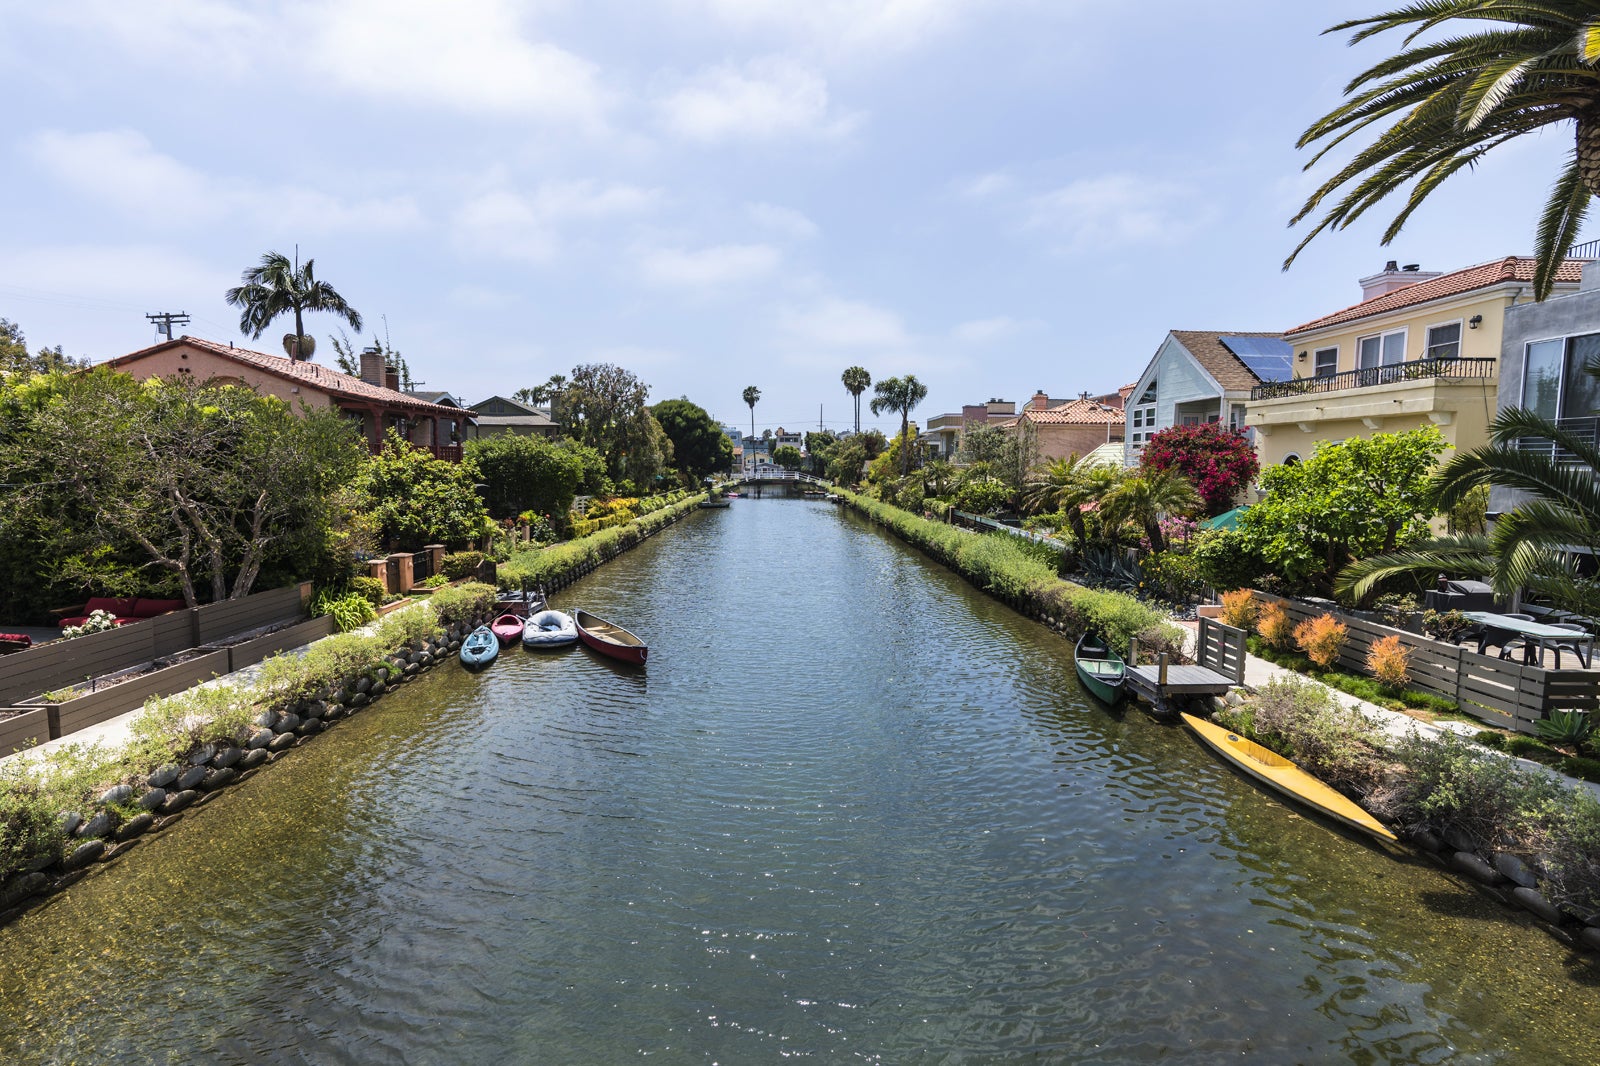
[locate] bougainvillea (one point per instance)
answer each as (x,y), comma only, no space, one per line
(1219,462)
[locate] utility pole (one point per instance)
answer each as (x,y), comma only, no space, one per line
(166,320)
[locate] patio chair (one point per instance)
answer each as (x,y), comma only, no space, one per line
(1572,646)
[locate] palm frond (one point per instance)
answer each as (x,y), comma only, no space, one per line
(1465,554)
(1559,225)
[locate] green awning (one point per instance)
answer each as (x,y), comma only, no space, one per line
(1225,520)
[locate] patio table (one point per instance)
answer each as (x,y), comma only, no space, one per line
(1536,636)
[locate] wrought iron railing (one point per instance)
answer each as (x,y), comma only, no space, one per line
(1366,378)
(1585,429)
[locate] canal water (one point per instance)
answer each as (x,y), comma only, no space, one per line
(853,812)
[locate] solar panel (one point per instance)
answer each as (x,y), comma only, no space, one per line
(1269,358)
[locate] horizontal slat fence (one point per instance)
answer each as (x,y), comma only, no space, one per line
(1501,692)
(1222,648)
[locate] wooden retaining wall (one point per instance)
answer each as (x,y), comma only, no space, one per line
(1501,692)
(24,730)
(61,663)
(95,707)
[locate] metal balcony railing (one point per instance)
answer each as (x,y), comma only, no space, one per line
(1416,370)
(1585,429)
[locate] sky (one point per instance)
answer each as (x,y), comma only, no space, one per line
(997,196)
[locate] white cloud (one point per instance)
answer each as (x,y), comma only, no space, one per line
(764,98)
(123,170)
(837,323)
(528,227)
(845,25)
(708,268)
(1117,209)
(984,330)
(985,186)
(783,220)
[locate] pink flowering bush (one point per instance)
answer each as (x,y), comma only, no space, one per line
(1219,462)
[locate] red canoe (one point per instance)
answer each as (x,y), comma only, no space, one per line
(607,638)
(507,628)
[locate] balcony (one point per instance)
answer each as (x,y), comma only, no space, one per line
(1585,429)
(1459,369)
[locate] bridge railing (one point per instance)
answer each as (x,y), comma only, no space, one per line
(779,474)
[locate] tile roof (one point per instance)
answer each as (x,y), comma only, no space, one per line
(1073,413)
(1482,276)
(1217,358)
(332,382)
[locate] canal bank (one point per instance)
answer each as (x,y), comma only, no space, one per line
(853,810)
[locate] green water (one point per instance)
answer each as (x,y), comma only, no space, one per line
(852,812)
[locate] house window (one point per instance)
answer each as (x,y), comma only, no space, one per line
(1553,382)
(1236,415)
(1141,424)
(1191,420)
(1327,362)
(1381,349)
(1149,394)
(1444,342)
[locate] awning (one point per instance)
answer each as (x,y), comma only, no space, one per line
(1225,520)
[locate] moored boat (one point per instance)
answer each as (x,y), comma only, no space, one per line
(550,629)
(480,648)
(1101,670)
(507,628)
(608,638)
(1272,769)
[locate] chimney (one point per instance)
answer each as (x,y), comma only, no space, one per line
(1040,400)
(1393,277)
(372,366)
(391,378)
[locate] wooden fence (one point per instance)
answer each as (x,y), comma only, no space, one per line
(1499,691)
(1222,648)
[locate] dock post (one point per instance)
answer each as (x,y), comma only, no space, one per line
(1161,673)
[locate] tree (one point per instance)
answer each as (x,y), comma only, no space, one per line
(1219,462)
(1145,498)
(208,483)
(752,396)
(418,499)
(1532,545)
(699,447)
(1348,500)
(603,405)
(522,474)
(1068,485)
(901,395)
(347,359)
(277,287)
(539,395)
(1457,97)
(14,357)
(856,381)
(788,457)
(817,444)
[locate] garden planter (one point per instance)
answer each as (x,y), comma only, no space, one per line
(69,716)
(22,730)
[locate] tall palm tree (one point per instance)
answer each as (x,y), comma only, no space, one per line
(752,396)
(1532,545)
(856,381)
(900,394)
(1146,497)
(275,288)
(1453,98)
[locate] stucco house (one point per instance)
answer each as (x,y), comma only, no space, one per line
(941,438)
(498,415)
(1200,376)
(1076,427)
(374,399)
(1421,347)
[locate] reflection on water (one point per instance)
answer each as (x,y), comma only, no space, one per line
(850,812)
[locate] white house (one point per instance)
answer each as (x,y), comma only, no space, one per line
(1199,376)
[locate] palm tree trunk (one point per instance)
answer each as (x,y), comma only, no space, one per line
(299,331)
(1588,148)
(857,397)
(905,445)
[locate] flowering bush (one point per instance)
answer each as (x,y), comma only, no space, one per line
(1274,626)
(1219,462)
(1239,608)
(97,622)
(1321,638)
(1387,660)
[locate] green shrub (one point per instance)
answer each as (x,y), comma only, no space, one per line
(1491,799)
(185,720)
(29,828)
(1303,721)
(457,565)
(349,610)
(371,589)
(1224,560)
(458,605)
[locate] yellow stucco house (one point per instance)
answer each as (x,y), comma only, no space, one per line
(1421,347)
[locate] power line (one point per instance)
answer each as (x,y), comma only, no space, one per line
(165,320)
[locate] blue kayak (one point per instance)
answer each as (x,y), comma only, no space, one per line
(480,648)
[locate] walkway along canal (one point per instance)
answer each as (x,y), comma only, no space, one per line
(852,811)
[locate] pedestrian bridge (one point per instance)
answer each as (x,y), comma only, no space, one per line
(778,475)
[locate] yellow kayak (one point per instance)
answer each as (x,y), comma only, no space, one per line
(1273,769)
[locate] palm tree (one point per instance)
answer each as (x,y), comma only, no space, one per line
(277,287)
(1454,98)
(1535,545)
(1068,485)
(856,381)
(900,394)
(1146,497)
(752,396)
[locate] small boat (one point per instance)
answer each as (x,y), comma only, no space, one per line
(716,501)
(610,639)
(1272,769)
(550,629)
(1101,670)
(480,648)
(508,628)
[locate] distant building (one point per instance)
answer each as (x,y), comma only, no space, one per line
(942,437)
(498,415)
(1076,427)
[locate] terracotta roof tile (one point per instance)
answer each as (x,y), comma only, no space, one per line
(320,377)
(1073,413)
(1482,276)
(1220,361)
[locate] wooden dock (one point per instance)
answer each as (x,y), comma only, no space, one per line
(1168,687)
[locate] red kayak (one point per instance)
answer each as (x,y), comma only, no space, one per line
(507,628)
(607,638)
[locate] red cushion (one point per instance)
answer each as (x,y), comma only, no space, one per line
(143,608)
(122,607)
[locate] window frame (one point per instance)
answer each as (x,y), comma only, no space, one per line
(1403,332)
(1427,339)
(1316,362)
